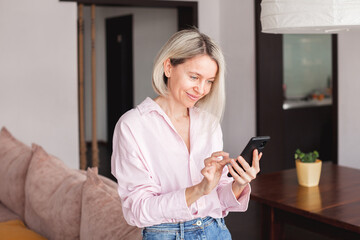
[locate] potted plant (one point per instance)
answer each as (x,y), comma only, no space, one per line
(308,168)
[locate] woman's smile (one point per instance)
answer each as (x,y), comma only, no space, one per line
(193,97)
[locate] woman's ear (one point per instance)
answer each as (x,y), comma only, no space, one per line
(167,68)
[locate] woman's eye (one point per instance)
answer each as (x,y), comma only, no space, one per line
(210,81)
(194,77)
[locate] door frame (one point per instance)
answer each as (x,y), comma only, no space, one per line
(187,11)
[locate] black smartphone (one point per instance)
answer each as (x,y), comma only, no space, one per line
(254,143)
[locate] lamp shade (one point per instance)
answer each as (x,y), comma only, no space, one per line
(309,16)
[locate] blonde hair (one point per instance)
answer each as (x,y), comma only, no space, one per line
(182,46)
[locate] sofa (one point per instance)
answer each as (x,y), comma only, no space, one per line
(41,198)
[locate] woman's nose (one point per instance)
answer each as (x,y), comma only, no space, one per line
(200,87)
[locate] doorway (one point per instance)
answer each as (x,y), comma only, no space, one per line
(119,70)
(119,78)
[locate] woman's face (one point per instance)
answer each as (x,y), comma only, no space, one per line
(192,80)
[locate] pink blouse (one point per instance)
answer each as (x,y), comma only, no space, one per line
(153,167)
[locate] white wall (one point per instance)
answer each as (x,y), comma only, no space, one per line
(151,29)
(38,75)
(237,38)
(349,98)
(209,17)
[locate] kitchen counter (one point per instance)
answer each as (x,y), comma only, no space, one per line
(290,104)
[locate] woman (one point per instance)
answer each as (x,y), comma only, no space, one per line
(167,152)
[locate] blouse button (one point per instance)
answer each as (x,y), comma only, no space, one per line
(198,223)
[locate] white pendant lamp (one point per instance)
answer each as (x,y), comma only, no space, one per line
(309,16)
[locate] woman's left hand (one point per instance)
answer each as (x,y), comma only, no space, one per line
(242,178)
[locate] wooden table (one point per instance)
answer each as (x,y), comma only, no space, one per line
(331,209)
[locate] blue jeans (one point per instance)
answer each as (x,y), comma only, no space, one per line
(201,228)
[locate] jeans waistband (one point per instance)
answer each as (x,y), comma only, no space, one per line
(188,225)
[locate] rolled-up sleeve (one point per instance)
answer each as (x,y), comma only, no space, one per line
(142,202)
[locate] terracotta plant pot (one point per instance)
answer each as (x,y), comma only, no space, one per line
(308,174)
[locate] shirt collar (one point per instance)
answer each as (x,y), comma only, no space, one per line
(149,105)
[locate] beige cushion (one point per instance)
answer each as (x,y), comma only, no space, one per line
(101,216)
(14,161)
(53,197)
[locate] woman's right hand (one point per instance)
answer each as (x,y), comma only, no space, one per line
(212,171)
